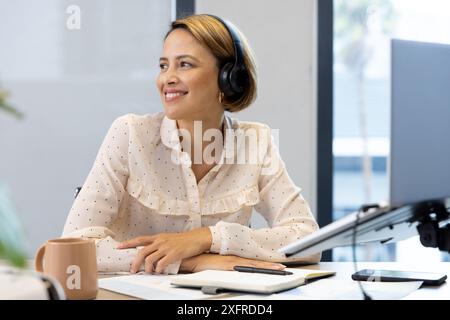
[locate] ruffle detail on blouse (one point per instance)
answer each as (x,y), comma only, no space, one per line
(233,202)
(162,205)
(169,206)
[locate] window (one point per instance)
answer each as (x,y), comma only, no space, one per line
(362,33)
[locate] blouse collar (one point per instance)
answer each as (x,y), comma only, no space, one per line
(170,137)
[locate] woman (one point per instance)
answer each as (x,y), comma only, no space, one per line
(164,197)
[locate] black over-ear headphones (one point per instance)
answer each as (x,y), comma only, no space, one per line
(233,76)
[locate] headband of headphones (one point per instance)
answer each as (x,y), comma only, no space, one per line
(238,46)
(233,78)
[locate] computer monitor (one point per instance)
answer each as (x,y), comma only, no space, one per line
(420,122)
(419,163)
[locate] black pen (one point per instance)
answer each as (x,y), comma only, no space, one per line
(262,270)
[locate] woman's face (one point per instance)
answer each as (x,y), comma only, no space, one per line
(187,82)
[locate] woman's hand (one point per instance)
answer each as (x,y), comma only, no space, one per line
(165,248)
(219,262)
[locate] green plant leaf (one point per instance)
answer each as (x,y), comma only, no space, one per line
(7,107)
(11,110)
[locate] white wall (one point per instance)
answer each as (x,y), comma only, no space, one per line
(282,35)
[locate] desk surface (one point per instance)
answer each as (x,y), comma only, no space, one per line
(344,271)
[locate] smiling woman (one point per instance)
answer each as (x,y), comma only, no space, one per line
(153,204)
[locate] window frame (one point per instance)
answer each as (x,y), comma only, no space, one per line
(325,62)
(184,8)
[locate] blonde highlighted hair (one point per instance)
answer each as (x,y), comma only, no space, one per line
(211,33)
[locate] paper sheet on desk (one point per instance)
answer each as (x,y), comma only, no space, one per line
(333,289)
(152,287)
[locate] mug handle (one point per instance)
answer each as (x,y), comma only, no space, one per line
(38,261)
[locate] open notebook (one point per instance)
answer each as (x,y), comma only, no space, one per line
(213,281)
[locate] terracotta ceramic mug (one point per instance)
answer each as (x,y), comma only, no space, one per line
(72,261)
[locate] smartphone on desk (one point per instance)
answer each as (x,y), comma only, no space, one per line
(430,279)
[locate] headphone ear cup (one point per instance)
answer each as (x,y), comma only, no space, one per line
(239,80)
(224,79)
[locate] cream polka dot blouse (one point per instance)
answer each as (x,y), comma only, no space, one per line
(142,183)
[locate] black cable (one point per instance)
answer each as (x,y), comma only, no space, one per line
(361,210)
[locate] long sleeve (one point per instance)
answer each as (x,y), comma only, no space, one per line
(96,208)
(281,204)
(99,200)
(98,203)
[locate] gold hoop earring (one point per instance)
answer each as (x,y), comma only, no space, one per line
(221,96)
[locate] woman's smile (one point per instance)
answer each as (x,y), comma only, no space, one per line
(171,95)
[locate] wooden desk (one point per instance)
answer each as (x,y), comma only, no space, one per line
(344,271)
